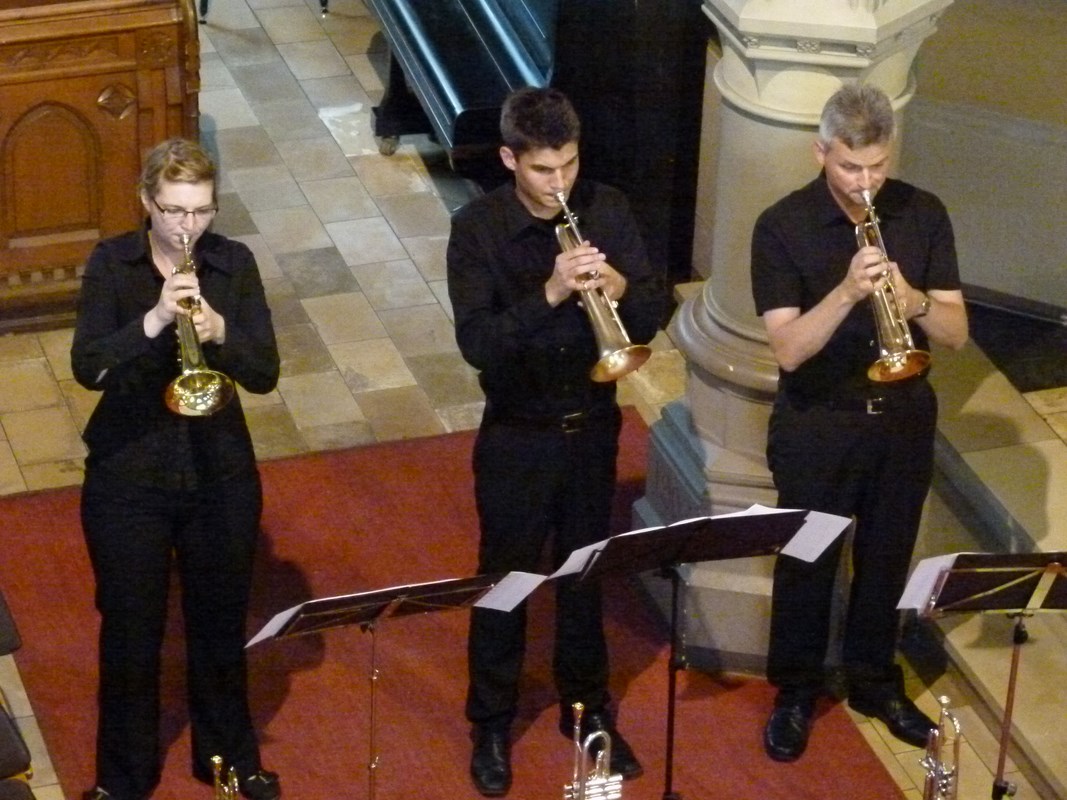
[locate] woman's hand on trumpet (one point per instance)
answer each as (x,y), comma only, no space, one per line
(178,287)
(210,324)
(580,269)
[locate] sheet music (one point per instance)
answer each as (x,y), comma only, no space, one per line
(923,581)
(577,560)
(276,623)
(752,510)
(819,530)
(816,534)
(511,590)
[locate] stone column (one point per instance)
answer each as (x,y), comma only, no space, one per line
(781,60)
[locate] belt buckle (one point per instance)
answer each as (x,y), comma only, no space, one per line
(874,405)
(572,423)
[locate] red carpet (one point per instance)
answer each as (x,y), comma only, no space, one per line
(371,518)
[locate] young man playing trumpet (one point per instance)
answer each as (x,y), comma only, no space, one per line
(544,459)
(840,441)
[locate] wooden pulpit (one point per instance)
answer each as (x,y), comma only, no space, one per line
(87,87)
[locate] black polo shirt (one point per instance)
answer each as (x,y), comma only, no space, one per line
(534,360)
(801,249)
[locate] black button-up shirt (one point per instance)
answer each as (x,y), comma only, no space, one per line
(534,360)
(801,249)
(131,433)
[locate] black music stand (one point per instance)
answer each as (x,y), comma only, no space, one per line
(1015,584)
(705,539)
(368,609)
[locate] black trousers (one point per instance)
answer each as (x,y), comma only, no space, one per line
(876,468)
(536,488)
(134,536)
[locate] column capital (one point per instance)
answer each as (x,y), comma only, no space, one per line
(783,58)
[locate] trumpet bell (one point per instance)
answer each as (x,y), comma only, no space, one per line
(198,393)
(614,363)
(899,366)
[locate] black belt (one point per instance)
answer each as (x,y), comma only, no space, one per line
(565,423)
(865,404)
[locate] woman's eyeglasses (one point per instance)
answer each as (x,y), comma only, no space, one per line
(175,214)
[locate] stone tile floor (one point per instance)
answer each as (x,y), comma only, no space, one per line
(351,247)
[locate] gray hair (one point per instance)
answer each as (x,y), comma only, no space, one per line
(858,115)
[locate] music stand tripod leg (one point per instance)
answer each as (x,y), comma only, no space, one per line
(676,662)
(372,759)
(1001,787)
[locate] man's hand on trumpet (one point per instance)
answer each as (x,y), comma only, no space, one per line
(866,273)
(580,269)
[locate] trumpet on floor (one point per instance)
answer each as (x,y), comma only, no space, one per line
(618,355)
(226,787)
(592,778)
(942,776)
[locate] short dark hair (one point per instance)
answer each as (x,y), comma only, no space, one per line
(858,115)
(176,161)
(534,117)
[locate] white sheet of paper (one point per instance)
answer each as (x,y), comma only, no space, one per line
(510,590)
(923,581)
(274,625)
(752,510)
(576,561)
(816,534)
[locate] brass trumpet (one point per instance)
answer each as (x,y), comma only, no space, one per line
(198,391)
(942,777)
(898,357)
(597,782)
(618,355)
(226,787)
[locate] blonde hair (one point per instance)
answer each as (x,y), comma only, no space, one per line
(176,161)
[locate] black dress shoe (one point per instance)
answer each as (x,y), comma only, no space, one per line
(786,735)
(491,761)
(900,715)
(623,761)
(261,785)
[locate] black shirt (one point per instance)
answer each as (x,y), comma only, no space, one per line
(534,360)
(131,433)
(801,249)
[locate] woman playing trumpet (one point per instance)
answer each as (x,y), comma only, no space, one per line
(165,490)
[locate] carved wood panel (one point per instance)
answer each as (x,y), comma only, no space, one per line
(85,90)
